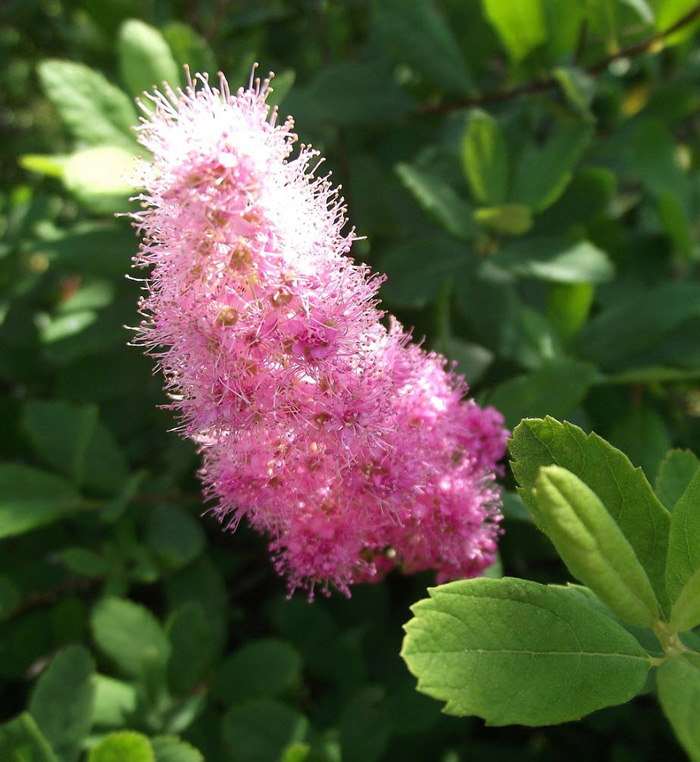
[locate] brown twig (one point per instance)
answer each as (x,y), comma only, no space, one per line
(540,85)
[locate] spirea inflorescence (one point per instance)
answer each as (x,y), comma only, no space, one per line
(351,449)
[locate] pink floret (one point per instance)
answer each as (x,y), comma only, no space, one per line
(352,450)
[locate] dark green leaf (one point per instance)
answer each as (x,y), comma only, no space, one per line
(439,201)
(541,655)
(554,388)
(91,248)
(544,171)
(623,489)
(191,648)
(679,694)
(71,439)
(62,701)
(417,270)
(675,473)
(260,731)
(419,35)
(641,433)
(175,535)
(683,568)
(265,668)
(30,498)
(353,93)
(365,727)
(131,636)
(21,741)
(634,331)
(189,48)
(556,259)
(95,111)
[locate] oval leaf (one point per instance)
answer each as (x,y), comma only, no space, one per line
(96,112)
(130,635)
(485,159)
(30,498)
(593,547)
(126,746)
(514,651)
(21,739)
(62,701)
(679,694)
(145,59)
(622,488)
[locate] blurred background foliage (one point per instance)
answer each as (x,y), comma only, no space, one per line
(527,174)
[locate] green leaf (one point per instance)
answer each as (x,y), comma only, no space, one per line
(679,693)
(260,731)
(145,59)
(556,388)
(439,201)
(281,86)
(637,330)
(622,488)
(131,636)
(556,259)
(577,85)
(264,668)
(91,249)
(365,728)
(30,498)
(192,647)
(513,651)
(544,171)
(96,112)
(668,12)
(125,746)
(675,473)
(115,702)
(202,582)
(511,219)
(96,177)
(175,535)
(419,35)
(356,93)
(568,308)
(593,547)
(418,269)
(21,741)
(189,48)
(85,562)
(641,433)
(172,749)
(685,614)
(296,752)
(71,439)
(10,596)
(485,158)
(521,24)
(683,569)
(62,701)
(42,164)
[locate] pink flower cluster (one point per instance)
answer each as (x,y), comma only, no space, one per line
(354,451)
